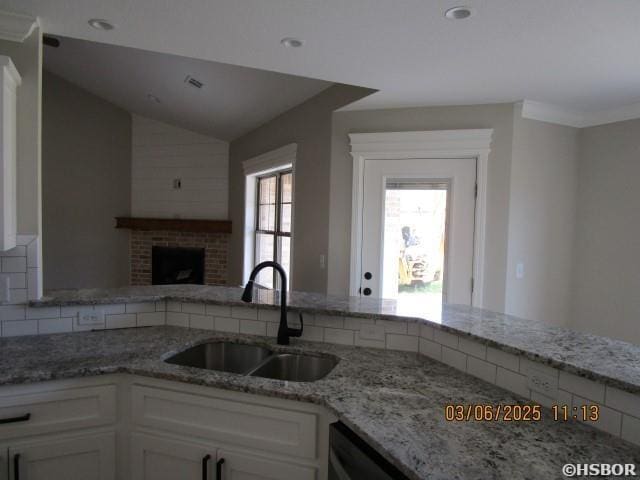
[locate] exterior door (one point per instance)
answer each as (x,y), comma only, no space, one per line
(159,458)
(418,230)
(77,458)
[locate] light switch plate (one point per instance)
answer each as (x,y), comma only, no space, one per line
(540,381)
(90,317)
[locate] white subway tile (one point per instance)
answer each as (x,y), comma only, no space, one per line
(253,327)
(178,319)
(218,310)
(244,312)
(55,325)
(25,238)
(13,312)
(174,306)
(18,251)
(426,332)
(472,347)
(370,343)
(310,332)
(111,308)
(34,313)
(225,324)
(19,327)
(197,308)
(454,358)
(272,330)
(16,280)
(121,320)
(413,329)
(445,338)
(75,311)
(481,369)
(328,321)
(565,398)
(14,264)
(354,323)
(503,359)
(543,400)
(33,260)
(339,336)
(430,349)
(142,307)
(609,420)
(624,401)
(582,387)
(631,429)
(161,306)
(205,322)
(33,284)
(526,364)
(17,295)
(391,326)
(149,319)
(512,381)
(406,343)
(268,315)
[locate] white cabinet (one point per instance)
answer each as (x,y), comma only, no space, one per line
(9,82)
(157,458)
(90,457)
(242,466)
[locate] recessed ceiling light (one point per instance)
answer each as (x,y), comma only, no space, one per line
(152,98)
(458,13)
(292,42)
(101,24)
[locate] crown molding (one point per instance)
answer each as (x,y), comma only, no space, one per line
(16,27)
(547,112)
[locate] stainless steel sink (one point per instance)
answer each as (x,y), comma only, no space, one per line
(224,356)
(295,367)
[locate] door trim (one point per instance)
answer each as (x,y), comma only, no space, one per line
(472,144)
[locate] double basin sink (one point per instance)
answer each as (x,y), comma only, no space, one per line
(256,361)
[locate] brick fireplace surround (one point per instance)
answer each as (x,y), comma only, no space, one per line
(216,247)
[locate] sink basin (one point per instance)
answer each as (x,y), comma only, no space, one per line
(295,367)
(225,356)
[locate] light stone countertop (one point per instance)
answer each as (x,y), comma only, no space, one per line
(393,400)
(609,361)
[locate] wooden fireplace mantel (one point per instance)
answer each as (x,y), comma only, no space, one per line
(176,224)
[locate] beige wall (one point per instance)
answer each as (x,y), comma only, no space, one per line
(162,153)
(308,125)
(542,210)
(499,117)
(86,183)
(27,57)
(606,288)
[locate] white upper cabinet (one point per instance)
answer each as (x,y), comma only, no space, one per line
(9,82)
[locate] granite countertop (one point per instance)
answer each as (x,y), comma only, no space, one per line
(393,400)
(612,362)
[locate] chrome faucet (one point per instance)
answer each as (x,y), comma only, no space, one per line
(284,332)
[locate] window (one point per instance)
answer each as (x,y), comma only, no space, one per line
(273,224)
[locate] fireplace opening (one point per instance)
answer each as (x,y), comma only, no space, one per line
(172,265)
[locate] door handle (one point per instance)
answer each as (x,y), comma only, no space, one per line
(16,466)
(205,466)
(219,464)
(21,418)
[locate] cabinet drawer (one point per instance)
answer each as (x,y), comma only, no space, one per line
(227,421)
(56,410)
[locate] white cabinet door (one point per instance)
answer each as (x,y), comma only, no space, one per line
(4,462)
(159,458)
(90,457)
(240,466)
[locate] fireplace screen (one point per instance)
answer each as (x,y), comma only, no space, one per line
(172,265)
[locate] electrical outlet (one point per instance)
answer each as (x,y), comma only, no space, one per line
(90,317)
(540,381)
(372,332)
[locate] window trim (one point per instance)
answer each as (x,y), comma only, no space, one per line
(268,162)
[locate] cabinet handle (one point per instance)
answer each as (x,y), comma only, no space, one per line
(219,469)
(21,418)
(205,466)
(16,466)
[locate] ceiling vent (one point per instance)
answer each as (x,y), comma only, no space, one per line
(194,82)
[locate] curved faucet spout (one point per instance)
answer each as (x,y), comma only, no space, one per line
(284,332)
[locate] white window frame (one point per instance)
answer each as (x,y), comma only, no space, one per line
(472,144)
(283,158)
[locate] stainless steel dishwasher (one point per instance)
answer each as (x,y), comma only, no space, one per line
(351,458)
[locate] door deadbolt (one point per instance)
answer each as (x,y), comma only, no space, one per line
(366,291)
(368,276)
